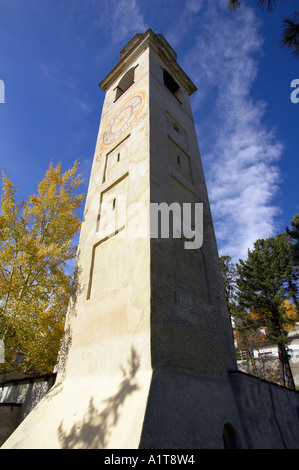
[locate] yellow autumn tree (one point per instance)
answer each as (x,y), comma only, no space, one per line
(287,311)
(35,247)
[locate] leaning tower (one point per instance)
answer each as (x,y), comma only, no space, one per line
(148,346)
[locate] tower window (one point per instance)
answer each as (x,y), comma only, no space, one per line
(125,83)
(113,204)
(170,83)
(179,162)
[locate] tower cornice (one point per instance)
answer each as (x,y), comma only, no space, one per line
(137,46)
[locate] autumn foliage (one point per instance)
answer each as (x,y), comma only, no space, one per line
(35,247)
(262,297)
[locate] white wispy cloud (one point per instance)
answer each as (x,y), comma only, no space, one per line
(241,152)
(125,19)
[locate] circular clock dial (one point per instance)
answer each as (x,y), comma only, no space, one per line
(122,120)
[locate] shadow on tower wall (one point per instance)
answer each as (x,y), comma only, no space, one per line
(93,431)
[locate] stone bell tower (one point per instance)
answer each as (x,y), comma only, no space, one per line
(148,338)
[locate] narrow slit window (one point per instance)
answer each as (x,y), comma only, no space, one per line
(118,157)
(179,162)
(113,204)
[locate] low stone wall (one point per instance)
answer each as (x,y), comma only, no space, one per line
(18,397)
(269,412)
(294,363)
(248,412)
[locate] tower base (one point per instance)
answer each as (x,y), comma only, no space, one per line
(161,409)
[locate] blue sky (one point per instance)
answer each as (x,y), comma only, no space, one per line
(53,54)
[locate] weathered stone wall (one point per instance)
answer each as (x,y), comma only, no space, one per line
(17,398)
(269,413)
(254,413)
(9,420)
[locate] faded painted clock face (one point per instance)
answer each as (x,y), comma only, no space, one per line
(122,120)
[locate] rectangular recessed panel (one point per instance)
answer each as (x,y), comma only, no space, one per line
(179,160)
(112,211)
(180,192)
(176,132)
(116,162)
